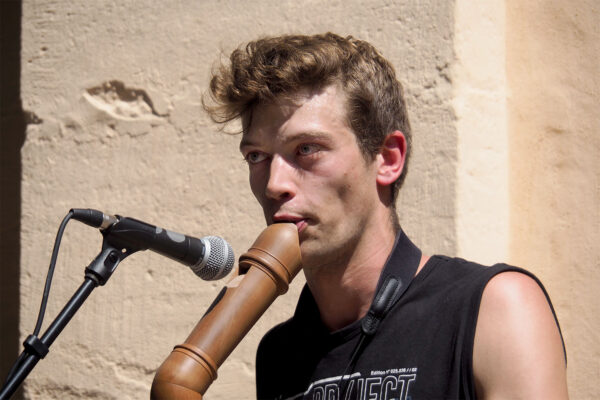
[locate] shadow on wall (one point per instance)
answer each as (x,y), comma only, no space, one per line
(12,136)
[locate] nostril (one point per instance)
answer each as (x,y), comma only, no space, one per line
(279,195)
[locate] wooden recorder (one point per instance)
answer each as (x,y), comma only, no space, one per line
(265,272)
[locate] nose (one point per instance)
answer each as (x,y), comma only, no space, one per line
(280,184)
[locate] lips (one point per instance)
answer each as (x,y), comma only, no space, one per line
(300,222)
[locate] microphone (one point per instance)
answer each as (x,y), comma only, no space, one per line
(210,258)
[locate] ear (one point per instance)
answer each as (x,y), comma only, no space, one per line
(391,158)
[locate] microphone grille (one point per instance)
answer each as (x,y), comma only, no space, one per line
(218,259)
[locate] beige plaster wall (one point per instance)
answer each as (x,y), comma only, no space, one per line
(503,97)
(526,95)
(479,100)
(91,145)
(553,69)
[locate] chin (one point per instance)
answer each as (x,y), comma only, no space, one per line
(316,253)
(308,252)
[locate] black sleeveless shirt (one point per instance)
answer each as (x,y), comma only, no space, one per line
(423,348)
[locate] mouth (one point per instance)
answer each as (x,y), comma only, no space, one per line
(301,223)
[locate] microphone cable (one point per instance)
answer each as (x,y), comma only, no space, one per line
(45,295)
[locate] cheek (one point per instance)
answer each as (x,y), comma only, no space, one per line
(354,189)
(257,185)
(333,192)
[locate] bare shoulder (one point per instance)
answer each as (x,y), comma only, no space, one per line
(518,351)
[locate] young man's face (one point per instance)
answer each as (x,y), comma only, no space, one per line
(306,167)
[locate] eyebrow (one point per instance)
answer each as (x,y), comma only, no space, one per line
(245,142)
(302,136)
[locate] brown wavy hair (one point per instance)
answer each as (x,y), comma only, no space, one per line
(272,67)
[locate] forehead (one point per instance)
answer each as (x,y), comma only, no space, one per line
(306,111)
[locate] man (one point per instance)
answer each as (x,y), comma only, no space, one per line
(327,139)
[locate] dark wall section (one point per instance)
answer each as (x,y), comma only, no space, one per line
(12,136)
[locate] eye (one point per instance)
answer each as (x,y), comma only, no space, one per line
(308,149)
(254,157)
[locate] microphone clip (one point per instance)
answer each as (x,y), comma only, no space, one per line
(105,263)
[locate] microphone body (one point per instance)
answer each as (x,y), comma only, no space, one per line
(134,234)
(211,257)
(266,271)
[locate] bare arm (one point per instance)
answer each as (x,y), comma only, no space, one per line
(518,351)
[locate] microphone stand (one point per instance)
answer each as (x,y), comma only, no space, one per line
(96,274)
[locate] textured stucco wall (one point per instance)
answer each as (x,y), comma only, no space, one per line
(91,145)
(553,68)
(526,95)
(503,98)
(479,100)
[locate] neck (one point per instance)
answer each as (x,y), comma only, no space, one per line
(344,291)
